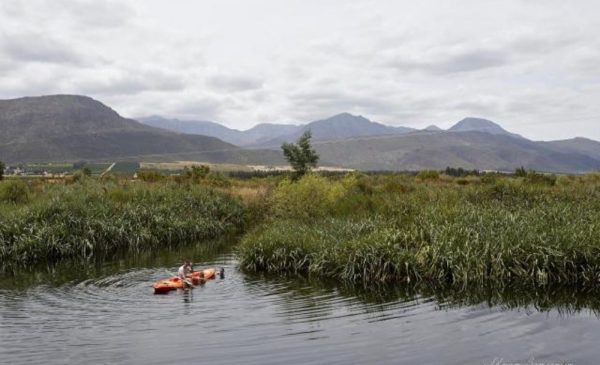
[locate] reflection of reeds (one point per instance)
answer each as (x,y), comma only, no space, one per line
(95,218)
(502,231)
(565,300)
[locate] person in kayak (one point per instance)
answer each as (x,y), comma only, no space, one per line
(185,270)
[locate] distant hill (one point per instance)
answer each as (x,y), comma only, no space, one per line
(433,128)
(471,150)
(480,125)
(70,127)
(576,145)
(340,126)
(205,128)
(252,136)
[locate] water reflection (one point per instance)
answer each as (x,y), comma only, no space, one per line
(565,300)
(107,313)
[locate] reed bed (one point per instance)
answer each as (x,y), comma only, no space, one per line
(90,219)
(390,230)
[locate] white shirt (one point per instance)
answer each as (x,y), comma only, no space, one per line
(183,271)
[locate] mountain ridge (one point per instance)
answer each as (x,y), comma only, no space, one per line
(472,124)
(64,127)
(342,125)
(72,127)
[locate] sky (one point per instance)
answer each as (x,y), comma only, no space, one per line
(532,66)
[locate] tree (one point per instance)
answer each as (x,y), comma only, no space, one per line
(1,170)
(301,156)
(521,172)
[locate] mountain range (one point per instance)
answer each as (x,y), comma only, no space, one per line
(339,126)
(72,127)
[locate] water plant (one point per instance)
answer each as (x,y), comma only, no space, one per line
(90,218)
(511,230)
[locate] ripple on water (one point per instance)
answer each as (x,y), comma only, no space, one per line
(252,320)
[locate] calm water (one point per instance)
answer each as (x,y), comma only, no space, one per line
(112,316)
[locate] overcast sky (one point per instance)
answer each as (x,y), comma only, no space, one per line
(532,66)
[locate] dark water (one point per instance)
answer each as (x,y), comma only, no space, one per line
(109,314)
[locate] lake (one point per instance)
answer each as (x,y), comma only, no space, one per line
(107,313)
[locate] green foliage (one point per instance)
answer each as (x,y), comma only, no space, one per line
(428,175)
(78,176)
(301,156)
(502,232)
(460,172)
(310,196)
(150,175)
(93,219)
(86,171)
(14,191)
(521,172)
(538,178)
(2,167)
(196,172)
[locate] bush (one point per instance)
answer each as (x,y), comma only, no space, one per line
(460,172)
(150,175)
(310,196)
(2,167)
(196,172)
(428,175)
(533,177)
(14,191)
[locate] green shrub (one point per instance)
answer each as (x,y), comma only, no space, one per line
(14,191)
(428,175)
(310,196)
(150,175)
(533,177)
(196,172)
(217,179)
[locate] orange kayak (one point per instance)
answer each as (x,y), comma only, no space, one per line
(166,285)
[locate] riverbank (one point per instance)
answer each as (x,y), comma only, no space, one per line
(474,231)
(535,230)
(47,222)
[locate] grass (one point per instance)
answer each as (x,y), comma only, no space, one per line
(439,230)
(432,229)
(89,218)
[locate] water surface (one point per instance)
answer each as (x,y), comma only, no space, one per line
(109,314)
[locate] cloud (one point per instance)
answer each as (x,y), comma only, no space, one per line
(229,83)
(38,47)
(471,60)
(118,82)
(441,62)
(527,64)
